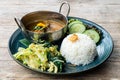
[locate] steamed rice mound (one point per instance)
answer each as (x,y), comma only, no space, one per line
(78,49)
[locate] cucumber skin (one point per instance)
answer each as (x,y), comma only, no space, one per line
(93,32)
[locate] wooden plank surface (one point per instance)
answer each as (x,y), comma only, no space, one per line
(104,12)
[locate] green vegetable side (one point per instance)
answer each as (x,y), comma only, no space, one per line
(44,57)
(76,26)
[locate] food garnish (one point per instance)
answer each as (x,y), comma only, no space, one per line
(73,38)
(41,26)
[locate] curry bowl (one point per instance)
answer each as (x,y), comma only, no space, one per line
(47,25)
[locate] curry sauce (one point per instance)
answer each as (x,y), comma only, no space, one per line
(45,26)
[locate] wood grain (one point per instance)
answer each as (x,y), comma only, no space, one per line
(103,12)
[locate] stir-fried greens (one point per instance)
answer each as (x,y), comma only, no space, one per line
(42,56)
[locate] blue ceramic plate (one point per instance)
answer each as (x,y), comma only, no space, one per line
(104,48)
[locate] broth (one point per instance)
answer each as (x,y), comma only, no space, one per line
(46,26)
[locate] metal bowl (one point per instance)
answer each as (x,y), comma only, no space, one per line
(43,15)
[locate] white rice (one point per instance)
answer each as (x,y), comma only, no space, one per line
(80,52)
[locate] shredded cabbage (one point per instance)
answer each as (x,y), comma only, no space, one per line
(38,56)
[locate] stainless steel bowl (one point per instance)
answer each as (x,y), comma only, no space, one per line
(43,15)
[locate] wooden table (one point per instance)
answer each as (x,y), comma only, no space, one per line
(104,12)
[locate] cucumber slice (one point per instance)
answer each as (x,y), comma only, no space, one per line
(93,34)
(77,28)
(74,22)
